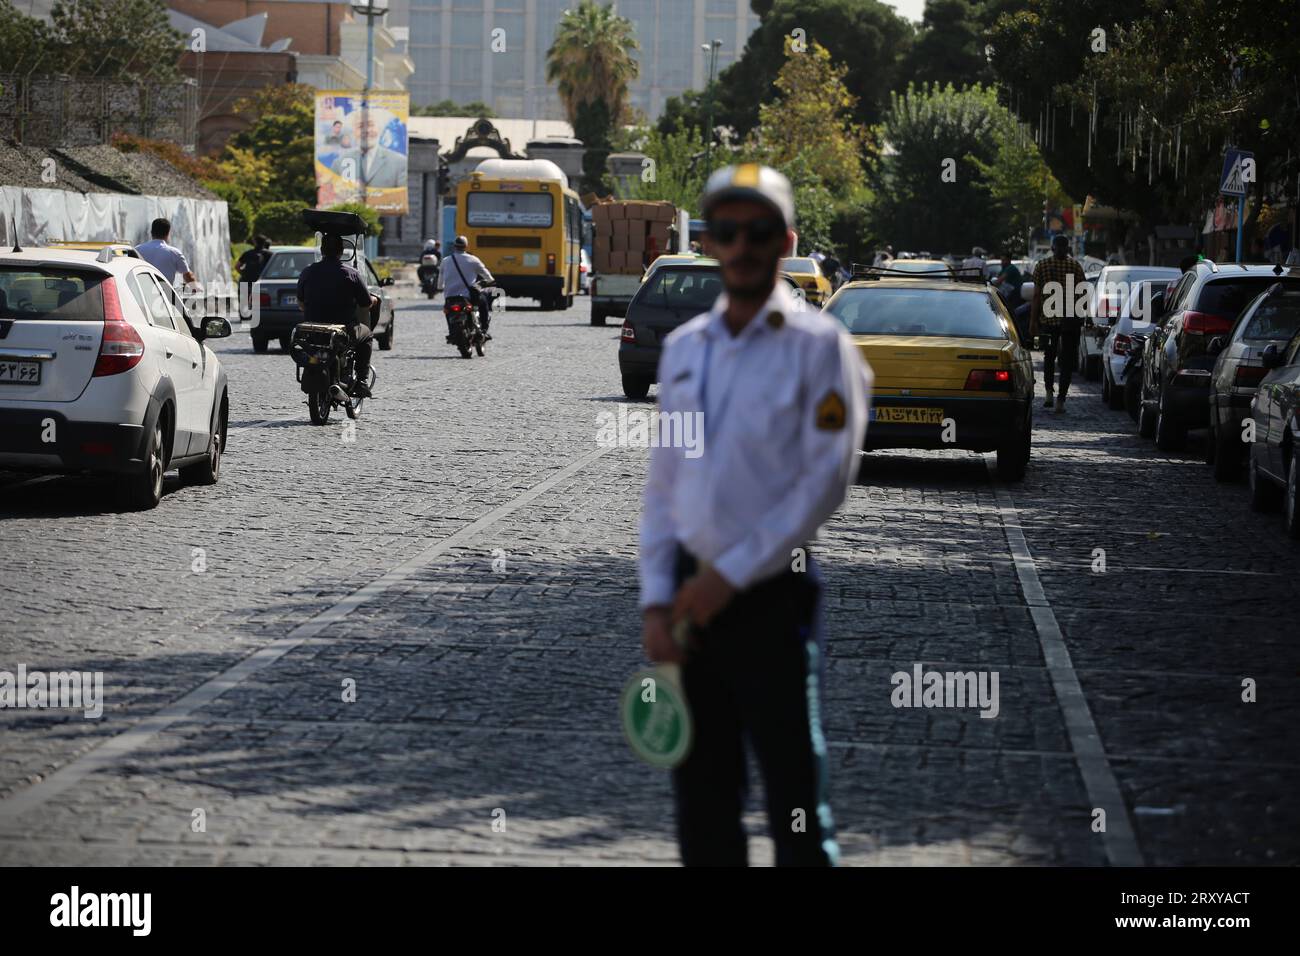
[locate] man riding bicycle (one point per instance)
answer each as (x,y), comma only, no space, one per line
(329,292)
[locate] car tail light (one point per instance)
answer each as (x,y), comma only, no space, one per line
(628,334)
(1249,376)
(264,300)
(988,379)
(1205,323)
(121,348)
(1122,343)
(550,264)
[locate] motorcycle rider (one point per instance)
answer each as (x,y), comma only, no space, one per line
(328,293)
(432,247)
(456,281)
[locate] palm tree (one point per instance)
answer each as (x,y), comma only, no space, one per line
(591,60)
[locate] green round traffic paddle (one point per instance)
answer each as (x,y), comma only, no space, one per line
(656,717)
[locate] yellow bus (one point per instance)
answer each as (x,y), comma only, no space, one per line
(525,223)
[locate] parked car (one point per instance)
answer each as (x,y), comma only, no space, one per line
(1134,320)
(1109,295)
(1177,365)
(104,371)
(1274,464)
(669,297)
(1271,319)
(276,293)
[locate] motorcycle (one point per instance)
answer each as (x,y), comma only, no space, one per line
(466,324)
(1133,374)
(326,358)
(427,273)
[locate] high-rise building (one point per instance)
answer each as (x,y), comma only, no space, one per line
(451,44)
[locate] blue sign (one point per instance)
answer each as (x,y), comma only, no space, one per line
(1232,182)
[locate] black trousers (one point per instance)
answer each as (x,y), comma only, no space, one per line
(756,674)
(1059,344)
(362,341)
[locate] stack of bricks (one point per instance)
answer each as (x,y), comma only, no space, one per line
(627,234)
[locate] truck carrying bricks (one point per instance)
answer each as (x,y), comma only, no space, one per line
(628,233)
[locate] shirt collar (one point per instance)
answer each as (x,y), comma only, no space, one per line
(780,301)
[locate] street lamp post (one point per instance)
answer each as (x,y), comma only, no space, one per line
(370,9)
(711,49)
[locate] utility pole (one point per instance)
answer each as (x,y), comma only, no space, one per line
(370,10)
(711,49)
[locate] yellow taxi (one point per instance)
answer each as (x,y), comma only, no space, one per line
(808,275)
(950,371)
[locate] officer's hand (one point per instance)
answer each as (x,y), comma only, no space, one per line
(701,598)
(657,638)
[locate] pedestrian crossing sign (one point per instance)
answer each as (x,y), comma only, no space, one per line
(1238,170)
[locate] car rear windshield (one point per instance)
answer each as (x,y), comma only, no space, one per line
(1229,296)
(1276,318)
(682,289)
(886,311)
(288,265)
(799,266)
(62,295)
(937,270)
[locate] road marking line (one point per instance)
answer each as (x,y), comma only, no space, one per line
(1098,778)
(127,741)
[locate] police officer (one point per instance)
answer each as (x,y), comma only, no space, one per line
(329,292)
(727,588)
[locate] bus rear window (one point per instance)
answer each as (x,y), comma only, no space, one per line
(509,209)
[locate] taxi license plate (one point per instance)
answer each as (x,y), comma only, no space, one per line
(894,415)
(20,373)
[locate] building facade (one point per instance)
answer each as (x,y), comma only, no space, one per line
(451,45)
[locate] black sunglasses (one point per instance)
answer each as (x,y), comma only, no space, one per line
(759,231)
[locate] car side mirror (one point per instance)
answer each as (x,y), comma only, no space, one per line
(387,280)
(1215,346)
(214,327)
(1272,357)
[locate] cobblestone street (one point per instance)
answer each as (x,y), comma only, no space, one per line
(469,561)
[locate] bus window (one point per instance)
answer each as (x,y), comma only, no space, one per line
(509,209)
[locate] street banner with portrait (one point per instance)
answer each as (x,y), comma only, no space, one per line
(361,149)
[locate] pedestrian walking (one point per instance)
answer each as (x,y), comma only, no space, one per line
(251,264)
(1056,316)
(728,589)
(163,256)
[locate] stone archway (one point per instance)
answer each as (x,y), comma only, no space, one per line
(482,132)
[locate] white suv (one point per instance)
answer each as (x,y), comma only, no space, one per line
(101,371)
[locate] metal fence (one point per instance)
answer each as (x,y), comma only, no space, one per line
(53,110)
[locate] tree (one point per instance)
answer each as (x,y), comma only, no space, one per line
(1017,181)
(113,39)
(927,183)
(865,35)
(677,170)
(811,118)
(450,108)
(949,47)
(280,134)
(1156,79)
(592,59)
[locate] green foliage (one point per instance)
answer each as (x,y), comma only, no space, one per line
(374,225)
(924,129)
(950,46)
(1017,181)
(450,108)
(115,39)
(279,140)
(593,127)
(592,60)
(239,209)
(281,222)
(867,36)
(678,158)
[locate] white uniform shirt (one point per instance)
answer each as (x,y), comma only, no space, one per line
(784,413)
(471,266)
(164,257)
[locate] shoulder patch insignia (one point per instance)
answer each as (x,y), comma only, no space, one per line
(830,412)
